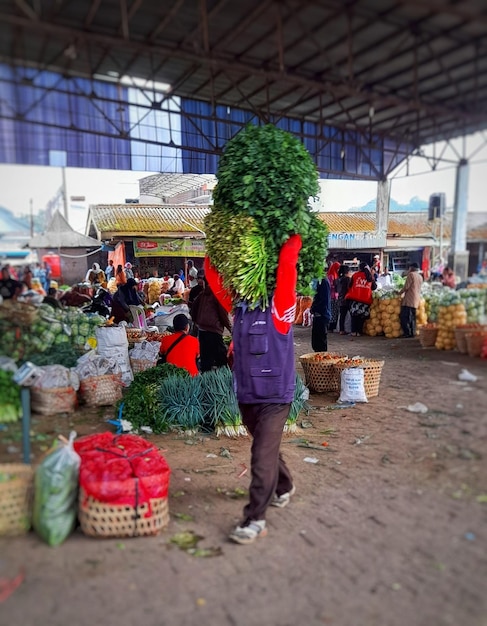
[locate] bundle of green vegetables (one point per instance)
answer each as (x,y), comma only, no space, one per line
(265,180)
(220,406)
(141,400)
(299,403)
(179,405)
(10,405)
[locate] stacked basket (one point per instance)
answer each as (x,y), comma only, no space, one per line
(461,333)
(427,335)
(16,491)
(319,373)
(372,373)
(475,340)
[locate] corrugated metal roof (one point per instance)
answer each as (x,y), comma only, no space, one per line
(168,185)
(140,219)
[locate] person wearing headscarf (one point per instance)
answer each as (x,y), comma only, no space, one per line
(321,310)
(360,297)
(128,271)
(120,277)
(122,299)
(332,276)
(95,275)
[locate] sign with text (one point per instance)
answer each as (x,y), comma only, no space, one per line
(169,247)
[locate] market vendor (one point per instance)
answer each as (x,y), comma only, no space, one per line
(125,296)
(96,276)
(51,299)
(10,288)
(178,286)
(180,348)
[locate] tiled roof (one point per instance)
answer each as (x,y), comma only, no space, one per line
(404,224)
(150,220)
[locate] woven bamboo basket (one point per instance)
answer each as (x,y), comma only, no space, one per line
(475,341)
(101,390)
(427,336)
(140,365)
(320,375)
(99,519)
(461,335)
(135,335)
(372,373)
(16,498)
(55,400)
(18,312)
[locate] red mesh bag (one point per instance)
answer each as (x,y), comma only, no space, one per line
(122,469)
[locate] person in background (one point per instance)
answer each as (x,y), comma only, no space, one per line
(410,301)
(122,299)
(384,279)
(375,270)
(321,310)
(120,277)
(448,278)
(211,320)
(51,299)
(10,289)
(360,297)
(192,275)
(95,275)
(27,277)
(187,350)
(128,270)
(343,285)
(168,279)
(110,270)
(178,287)
(332,275)
(181,276)
(265,378)
(193,294)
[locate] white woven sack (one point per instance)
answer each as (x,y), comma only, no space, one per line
(352,385)
(110,337)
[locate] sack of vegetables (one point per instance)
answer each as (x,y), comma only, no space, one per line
(56,493)
(265,179)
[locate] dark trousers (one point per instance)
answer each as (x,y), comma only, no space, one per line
(334,314)
(270,474)
(343,316)
(212,350)
(407,317)
(319,334)
(357,323)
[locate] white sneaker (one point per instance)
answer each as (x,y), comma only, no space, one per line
(284,499)
(248,534)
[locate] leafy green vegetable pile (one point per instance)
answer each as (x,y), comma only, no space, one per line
(140,401)
(167,398)
(10,405)
(265,180)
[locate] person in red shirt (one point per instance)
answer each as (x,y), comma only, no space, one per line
(187,350)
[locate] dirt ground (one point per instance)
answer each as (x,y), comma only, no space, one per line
(388,528)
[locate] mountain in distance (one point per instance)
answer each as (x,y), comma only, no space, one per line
(414,205)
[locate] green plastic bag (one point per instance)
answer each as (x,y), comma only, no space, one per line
(56,493)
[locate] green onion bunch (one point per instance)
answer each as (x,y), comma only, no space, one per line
(265,180)
(298,404)
(220,404)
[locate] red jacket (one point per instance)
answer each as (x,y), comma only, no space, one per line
(360,289)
